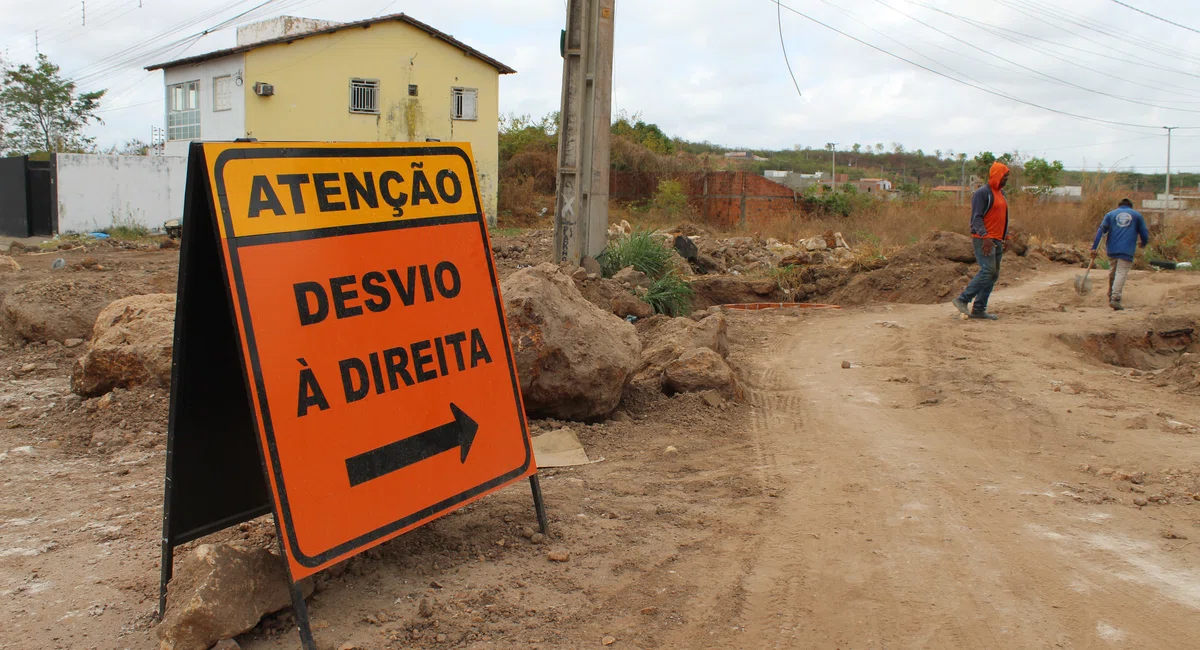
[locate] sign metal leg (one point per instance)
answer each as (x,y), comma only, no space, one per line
(539,504)
(300,609)
(168,563)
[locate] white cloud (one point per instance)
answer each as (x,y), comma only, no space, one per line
(713,70)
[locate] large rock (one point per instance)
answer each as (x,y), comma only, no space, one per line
(65,308)
(1064,253)
(131,346)
(699,370)
(939,246)
(573,358)
(952,246)
(632,277)
(666,339)
(220,591)
(686,248)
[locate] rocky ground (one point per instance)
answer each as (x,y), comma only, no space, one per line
(1025,483)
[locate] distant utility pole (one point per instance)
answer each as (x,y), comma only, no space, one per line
(962,183)
(833,178)
(1169,129)
(584,133)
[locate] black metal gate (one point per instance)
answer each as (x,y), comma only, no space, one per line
(28,197)
(14,197)
(41,182)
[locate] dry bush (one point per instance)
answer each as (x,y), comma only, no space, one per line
(541,167)
(520,205)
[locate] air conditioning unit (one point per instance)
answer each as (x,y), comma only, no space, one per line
(263,90)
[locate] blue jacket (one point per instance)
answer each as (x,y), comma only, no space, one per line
(1124,227)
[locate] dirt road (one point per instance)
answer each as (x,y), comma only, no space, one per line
(933,497)
(961,485)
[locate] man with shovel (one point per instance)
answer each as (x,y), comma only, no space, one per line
(989,229)
(1125,228)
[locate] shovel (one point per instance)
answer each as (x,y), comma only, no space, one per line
(1083,285)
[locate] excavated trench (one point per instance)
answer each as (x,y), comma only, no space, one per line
(1158,346)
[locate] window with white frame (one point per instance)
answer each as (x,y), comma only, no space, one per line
(364,96)
(464,104)
(183,111)
(222,93)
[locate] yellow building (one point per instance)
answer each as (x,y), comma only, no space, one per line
(387,79)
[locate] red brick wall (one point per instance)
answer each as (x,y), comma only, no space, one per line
(724,200)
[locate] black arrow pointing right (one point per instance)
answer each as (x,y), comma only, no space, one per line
(374,464)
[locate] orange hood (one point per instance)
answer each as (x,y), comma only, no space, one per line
(998,171)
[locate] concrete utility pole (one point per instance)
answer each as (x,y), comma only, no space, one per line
(584,132)
(833,178)
(1169,129)
(962,183)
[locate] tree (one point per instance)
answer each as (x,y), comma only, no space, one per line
(133,147)
(856,148)
(982,163)
(1043,174)
(41,111)
(648,135)
(878,147)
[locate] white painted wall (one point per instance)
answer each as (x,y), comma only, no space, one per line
(95,190)
(278,27)
(214,125)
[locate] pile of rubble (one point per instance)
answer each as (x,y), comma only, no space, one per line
(575,358)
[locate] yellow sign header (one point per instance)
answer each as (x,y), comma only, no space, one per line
(271,188)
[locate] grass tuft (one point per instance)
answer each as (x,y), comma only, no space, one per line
(642,251)
(670,295)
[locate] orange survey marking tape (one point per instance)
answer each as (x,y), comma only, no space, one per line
(759,306)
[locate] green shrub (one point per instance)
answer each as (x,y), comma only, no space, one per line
(670,295)
(670,199)
(641,250)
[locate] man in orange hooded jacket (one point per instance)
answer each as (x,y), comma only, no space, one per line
(989,229)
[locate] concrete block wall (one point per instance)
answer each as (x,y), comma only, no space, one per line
(99,191)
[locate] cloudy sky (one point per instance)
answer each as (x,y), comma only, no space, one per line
(947,75)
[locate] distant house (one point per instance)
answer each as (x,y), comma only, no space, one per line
(873,185)
(1068,194)
(386,79)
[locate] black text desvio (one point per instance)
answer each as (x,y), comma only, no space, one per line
(384,289)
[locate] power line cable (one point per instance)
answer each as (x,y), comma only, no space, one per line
(131,56)
(1000,32)
(1025,7)
(965,82)
(1035,71)
(783,45)
(1147,13)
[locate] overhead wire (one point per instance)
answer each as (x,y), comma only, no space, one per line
(1023,7)
(1039,73)
(142,52)
(1002,33)
(783,45)
(964,82)
(1147,13)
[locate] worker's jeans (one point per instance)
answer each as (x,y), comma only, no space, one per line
(980,288)
(1116,278)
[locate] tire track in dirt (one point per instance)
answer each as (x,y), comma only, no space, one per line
(927,496)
